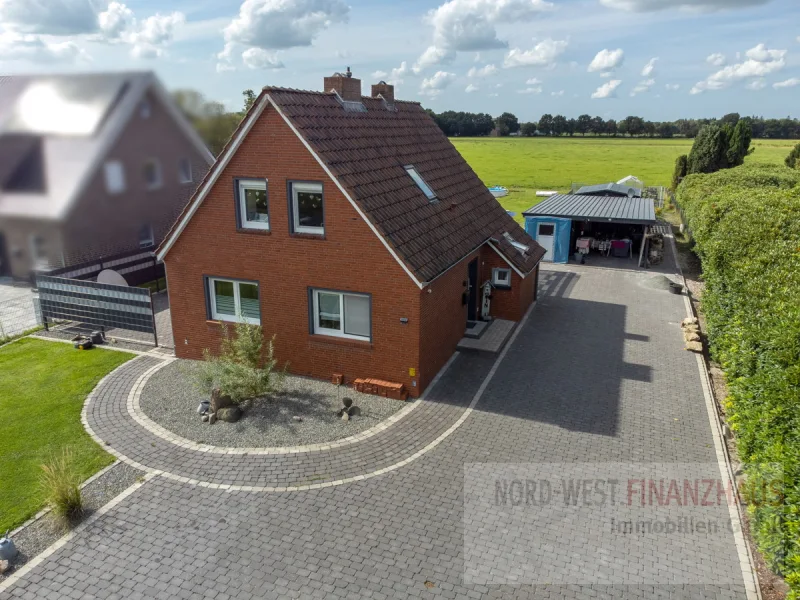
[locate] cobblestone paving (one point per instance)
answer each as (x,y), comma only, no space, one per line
(597,374)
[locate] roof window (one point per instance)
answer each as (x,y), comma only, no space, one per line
(518,245)
(426,189)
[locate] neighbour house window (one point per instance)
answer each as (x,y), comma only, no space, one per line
(252,203)
(233,300)
(341,314)
(152,174)
(145,110)
(114,176)
(38,249)
(307,208)
(501,277)
(185,170)
(146,238)
(426,189)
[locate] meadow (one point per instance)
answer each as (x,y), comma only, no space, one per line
(525,165)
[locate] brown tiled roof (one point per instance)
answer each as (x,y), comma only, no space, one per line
(367,152)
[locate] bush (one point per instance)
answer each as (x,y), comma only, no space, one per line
(746,226)
(243,369)
(793,160)
(61,486)
(681,169)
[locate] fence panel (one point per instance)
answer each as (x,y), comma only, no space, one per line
(18,315)
(97,304)
(139,266)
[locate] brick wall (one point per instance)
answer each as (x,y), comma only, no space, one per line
(350,257)
(510,303)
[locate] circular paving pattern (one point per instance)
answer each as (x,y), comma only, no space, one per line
(111,416)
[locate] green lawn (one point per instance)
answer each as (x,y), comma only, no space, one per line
(42,389)
(525,165)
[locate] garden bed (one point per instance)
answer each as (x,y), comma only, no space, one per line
(170,398)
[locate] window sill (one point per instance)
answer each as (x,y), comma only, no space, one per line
(497,286)
(254,230)
(308,236)
(336,341)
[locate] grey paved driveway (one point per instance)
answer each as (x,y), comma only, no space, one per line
(597,375)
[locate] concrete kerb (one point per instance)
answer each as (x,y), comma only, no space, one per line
(752,587)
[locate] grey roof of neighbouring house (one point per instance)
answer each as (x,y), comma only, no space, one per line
(596,208)
(29,121)
(609,188)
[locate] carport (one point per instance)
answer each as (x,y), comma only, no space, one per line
(569,224)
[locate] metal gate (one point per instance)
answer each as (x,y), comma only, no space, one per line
(97,304)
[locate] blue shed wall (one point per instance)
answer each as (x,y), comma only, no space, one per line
(563,228)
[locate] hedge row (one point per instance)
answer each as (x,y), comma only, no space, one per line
(746,226)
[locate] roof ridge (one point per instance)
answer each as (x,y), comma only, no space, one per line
(272,88)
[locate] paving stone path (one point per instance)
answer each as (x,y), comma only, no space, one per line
(597,374)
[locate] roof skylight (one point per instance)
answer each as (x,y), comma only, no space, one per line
(518,245)
(426,189)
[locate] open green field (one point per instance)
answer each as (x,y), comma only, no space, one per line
(42,389)
(525,165)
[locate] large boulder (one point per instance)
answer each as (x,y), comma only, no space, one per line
(229,414)
(219,400)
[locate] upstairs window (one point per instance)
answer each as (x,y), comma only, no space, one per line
(146,238)
(308,214)
(185,170)
(114,176)
(252,203)
(426,189)
(151,173)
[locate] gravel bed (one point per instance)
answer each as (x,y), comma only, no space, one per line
(170,398)
(39,535)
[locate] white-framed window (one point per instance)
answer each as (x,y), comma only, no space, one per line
(308,214)
(151,172)
(341,314)
(252,203)
(146,238)
(115,176)
(421,183)
(38,246)
(501,277)
(185,170)
(233,300)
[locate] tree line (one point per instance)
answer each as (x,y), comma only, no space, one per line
(466,124)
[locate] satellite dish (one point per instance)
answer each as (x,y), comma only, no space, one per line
(111,277)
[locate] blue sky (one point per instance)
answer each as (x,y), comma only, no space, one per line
(525,56)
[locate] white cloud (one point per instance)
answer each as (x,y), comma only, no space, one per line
(379,75)
(225,59)
(28,47)
(650,67)
(472,88)
(643,86)
(469,25)
(756,84)
(672,87)
(717,59)
(342,54)
(606,61)
(557,94)
(154,33)
(51,17)
(399,73)
(760,62)
(531,90)
(693,5)
(435,84)
(794,81)
(258,58)
(607,90)
(533,81)
(486,71)
(543,54)
(116,20)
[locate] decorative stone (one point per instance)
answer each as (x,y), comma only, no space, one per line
(694,346)
(212,418)
(689,321)
(691,336)
(296,418)
(4,566)
(345,416)
(348,402)
(229,414)
(204,418)
(219,400)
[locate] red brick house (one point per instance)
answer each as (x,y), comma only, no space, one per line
(352,229)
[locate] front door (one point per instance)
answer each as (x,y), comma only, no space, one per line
(472,290)
(545,235)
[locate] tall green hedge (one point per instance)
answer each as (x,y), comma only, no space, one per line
(746,225)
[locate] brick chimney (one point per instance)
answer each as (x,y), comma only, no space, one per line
(385,90)
(347,86)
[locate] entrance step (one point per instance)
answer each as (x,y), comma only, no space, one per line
(492,339)
(475,329)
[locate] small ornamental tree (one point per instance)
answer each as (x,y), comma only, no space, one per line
(681,168)
(739,143)
(243,369)
(793,160)
(709,152)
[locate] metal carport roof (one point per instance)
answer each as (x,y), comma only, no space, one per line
(608,209)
